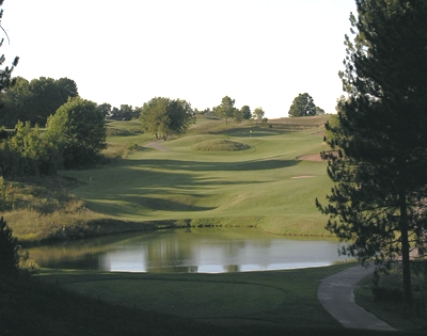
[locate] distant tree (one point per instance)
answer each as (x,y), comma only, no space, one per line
(9,257)
(47,95)
(78,129)
(258,114)
(104,109)
(34,101)
(226,109)
(164,117)
(238,115)
(14,102)
(319,111)
(302,106)
(136,113)
(115,113)
(246,112)
(378,203)
(207,111)
(125,112)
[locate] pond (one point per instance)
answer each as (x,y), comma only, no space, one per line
(207,250)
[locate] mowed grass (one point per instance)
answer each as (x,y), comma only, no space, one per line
(264,185)
(250,303)
(265,303)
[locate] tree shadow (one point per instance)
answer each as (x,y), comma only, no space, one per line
(199,166)
(251,132)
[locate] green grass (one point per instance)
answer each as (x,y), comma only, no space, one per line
(137,185)
(93,303)
(254,303)
(251,187)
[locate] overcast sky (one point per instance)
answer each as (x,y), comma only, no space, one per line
(258,52)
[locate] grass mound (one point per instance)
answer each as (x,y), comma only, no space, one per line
(220,145)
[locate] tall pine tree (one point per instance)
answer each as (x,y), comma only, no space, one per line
(5,73)
(8,244)
(378,203)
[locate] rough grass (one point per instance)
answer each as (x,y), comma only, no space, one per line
(387,303)
(42,209)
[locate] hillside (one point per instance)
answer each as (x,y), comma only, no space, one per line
(241,175)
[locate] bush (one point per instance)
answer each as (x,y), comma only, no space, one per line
(77,128)
(387,294)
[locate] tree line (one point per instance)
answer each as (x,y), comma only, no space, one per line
(226,110)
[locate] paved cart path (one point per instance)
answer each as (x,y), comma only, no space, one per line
(156,145)
(335,293)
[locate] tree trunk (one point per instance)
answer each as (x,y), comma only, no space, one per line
(405,248)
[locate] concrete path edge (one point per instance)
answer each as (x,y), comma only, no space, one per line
(335,293)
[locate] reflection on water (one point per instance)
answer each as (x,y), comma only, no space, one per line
(189,251)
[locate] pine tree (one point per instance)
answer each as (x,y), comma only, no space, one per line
(8,249)
(6,73)
(378,203)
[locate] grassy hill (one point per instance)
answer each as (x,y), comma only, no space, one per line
(240,175)
(243,174)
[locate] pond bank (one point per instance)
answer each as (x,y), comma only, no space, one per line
(108,227)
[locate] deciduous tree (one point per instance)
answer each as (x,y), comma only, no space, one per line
(246,112)
(378,203)
(258,113)
(164,117)
(226,109)
(78,128)
(302,106)
(34,101)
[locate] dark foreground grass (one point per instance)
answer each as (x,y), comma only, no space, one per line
(386,299)
(264,303)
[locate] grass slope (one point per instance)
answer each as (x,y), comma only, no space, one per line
(252,187)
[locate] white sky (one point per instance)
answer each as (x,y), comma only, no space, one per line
(258,52)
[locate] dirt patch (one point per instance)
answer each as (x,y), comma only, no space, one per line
(312,157)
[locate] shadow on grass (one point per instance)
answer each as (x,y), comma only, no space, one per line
(298,314)
(251,132)
(209,166)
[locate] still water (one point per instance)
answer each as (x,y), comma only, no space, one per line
(189,250)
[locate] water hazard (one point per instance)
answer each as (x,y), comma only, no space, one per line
(191,251)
